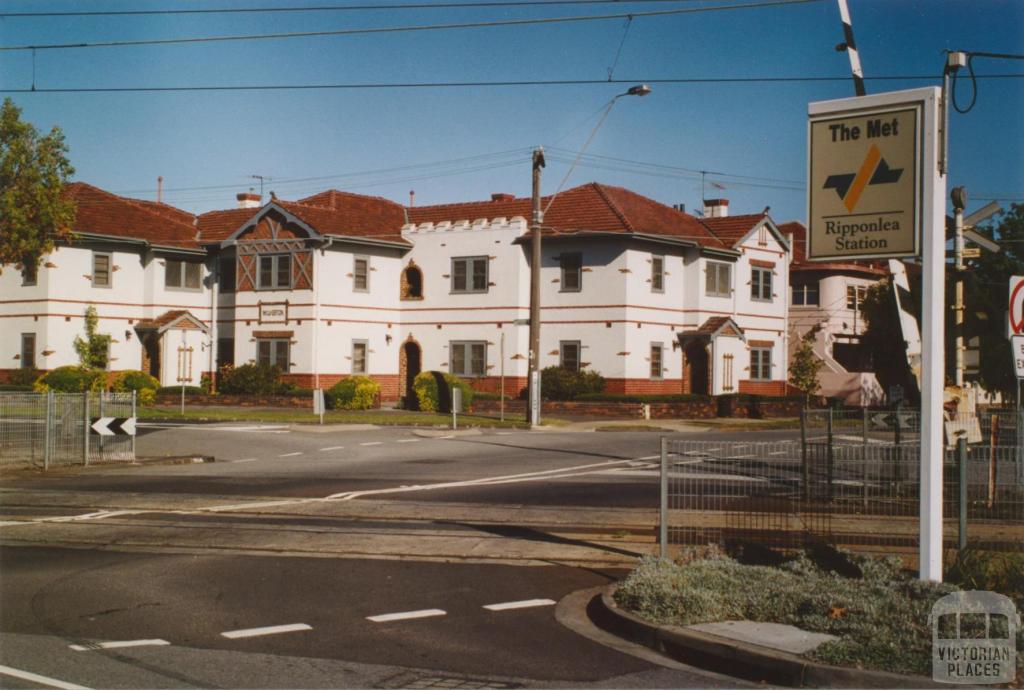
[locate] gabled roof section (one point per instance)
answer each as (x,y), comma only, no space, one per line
(732,230)
(101,213)
(335,213)
(591,207)
(178,318)
(800,262)
(714,327)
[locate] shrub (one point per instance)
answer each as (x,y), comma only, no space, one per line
(353,393)
(72,379)
(11,387)
(557,383)
(132,380)
(176,390)
(435,398)
(253,379)
(23,377)
(995,571)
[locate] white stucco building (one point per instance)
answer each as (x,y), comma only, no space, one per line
(337,284)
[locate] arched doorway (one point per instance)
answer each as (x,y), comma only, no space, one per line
(697,368)
(409,366)
(412,282)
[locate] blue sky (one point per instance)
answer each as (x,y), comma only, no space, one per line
(460,144)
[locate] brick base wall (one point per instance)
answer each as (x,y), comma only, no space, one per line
(765,387)
(389,383)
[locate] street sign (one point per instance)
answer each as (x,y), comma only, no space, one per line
(113,426)
(891,420)
(971,252)
(1017,349)
(864,181)
(1016,320)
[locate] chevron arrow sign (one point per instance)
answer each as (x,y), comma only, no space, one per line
(113,426)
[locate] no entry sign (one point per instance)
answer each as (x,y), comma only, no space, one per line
(1015,323)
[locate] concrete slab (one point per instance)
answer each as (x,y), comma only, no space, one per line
(785,638)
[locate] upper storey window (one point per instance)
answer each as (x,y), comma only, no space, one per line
(183,275)
(361,274)
(761,284)
(718,279)
(657,273)
(571,266)
(469,274)
(101,273)
(275,272)
(805,294)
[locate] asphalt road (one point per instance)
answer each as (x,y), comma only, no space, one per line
(147,567)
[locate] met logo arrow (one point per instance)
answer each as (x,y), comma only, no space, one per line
(113,426)
(874,170)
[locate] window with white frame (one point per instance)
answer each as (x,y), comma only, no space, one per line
(101,269)
(855,294)
(28,350)
(805,294)
(468,358)
(571,266)
(273,352)
(761,284)
(718,279)
(657,360)
(657,273)
(469,274)
(569,354)
(361,274)
(360,354)
(275,272)
(183,275)
(760,363)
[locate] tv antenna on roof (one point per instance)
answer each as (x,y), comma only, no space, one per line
(262,179)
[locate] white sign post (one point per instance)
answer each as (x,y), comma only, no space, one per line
(874,190)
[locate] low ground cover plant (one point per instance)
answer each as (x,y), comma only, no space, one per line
(881,618)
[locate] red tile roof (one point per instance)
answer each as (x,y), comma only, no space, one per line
(590,207)
(800,262)
(102,213)
(732,229)
(329,213)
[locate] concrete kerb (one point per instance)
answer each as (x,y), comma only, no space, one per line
(741,659)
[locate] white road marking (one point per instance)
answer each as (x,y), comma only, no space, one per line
(448,436)
(270,630)
(526,604)
(324,450)
(649,457)
(117,645)
(408,440)
(504,433)
(245,460)
(290,455)
(407,615)
(372,443)
(41,680)
(247,429)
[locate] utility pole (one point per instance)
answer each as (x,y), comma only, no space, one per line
(533,380)
(959,198)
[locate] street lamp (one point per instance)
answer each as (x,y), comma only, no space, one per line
(533,379)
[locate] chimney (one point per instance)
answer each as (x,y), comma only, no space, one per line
(716,208)
(248,199)
(412,198)
(679,207)
(160,189)
(502,196)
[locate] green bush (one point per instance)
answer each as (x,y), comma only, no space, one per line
(72,379)
(132,380)
(431,399)
(557,383)
(176,390)
(13,387)
(353,393)
(994,571)
(23,377)
(252,379)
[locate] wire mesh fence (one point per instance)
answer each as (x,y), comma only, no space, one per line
(789,494)
(54,429)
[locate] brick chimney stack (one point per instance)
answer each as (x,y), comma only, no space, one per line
(716,208)
(248,199)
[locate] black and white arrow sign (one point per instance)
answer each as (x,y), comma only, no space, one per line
(113,426)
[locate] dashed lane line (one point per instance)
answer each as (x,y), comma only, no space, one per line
(41,680)
(324,450)
(406,615)
(525,604)
(408,440)
(245,460)
(269,630)
(372,443)
(117,645)
(290,455)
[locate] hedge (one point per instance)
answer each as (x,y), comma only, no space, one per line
(176,390)
(431,399)
(627,398)
(353,393)
(258,379)
(12,387)
(72,379)
(558,383)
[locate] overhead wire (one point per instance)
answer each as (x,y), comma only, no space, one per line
(413,28)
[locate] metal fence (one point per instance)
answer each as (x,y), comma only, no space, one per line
(788,494)
(54,429)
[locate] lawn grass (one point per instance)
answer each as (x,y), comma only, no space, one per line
(881,620)
(289,416)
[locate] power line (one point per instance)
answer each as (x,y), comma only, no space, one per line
(398,29)
(479,84)
(330,8)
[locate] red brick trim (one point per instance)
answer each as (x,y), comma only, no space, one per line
(273,334)
(762,264)
(761,343)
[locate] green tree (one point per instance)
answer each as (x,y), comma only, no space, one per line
(93,350)
(33,172)
(805,365)
(883,338)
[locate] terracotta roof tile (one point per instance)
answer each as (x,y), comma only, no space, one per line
(732,229)
(102,213)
